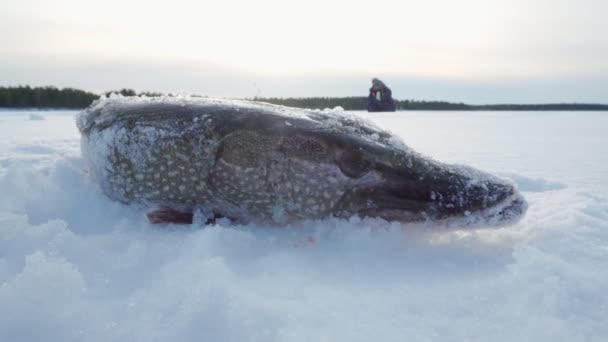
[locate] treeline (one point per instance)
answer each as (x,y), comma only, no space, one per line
(360,103)
(52,97)
(44,97)
(546,107)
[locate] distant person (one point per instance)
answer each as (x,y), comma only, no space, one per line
(380,98)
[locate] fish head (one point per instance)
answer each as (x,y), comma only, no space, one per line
(376,175)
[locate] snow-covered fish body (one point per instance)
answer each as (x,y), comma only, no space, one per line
(255,162)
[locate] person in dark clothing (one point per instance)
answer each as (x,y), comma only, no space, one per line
(380,98)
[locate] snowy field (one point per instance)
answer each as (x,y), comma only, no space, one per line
(75,266)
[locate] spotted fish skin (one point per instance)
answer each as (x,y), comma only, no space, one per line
(233,158)
(255,162)
(149,155)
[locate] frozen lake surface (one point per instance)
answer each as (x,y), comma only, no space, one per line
(75,266)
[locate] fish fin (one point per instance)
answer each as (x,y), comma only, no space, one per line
(168,215)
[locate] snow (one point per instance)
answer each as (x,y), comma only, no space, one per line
(36,117)
(76,266)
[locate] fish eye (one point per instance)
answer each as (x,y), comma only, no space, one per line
(354,164)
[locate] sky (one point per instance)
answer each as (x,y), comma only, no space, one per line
(476,51)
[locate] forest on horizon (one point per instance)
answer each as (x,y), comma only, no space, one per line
(50,97)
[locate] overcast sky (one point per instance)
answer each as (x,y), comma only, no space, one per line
(478,51)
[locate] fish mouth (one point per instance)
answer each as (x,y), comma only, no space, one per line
(508,211)
(505,212)
(457,196)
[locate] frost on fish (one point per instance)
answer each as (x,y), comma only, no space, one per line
(140,159)
(259,162)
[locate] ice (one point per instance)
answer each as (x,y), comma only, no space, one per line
(76,266)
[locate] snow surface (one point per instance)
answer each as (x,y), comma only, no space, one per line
(75,266)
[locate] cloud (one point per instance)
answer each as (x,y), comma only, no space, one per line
(217,80)
(470,50)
